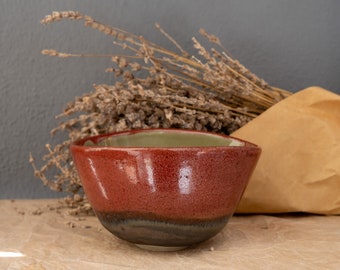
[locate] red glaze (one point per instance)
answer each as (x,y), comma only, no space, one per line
(176,183)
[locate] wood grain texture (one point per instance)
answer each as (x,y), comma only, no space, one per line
(52,239)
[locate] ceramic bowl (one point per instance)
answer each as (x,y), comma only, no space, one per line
(164,189)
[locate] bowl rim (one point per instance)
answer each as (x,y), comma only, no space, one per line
(79,143)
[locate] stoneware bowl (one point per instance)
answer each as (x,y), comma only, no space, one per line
(164,189)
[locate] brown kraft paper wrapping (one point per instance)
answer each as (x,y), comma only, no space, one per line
(299,169)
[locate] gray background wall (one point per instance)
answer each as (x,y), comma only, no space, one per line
(292,44)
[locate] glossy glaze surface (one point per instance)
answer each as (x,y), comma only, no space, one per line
(164,186)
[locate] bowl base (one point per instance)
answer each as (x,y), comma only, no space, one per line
(149,232)
(160,248)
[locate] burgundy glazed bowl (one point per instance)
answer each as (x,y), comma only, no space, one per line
(164,189)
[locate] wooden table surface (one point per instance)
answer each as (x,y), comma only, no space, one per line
(37,234)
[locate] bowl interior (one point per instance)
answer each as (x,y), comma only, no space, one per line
(168,138)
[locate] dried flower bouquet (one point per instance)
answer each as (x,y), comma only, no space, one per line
(155,88)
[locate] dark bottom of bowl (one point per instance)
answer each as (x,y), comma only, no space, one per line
(150,233)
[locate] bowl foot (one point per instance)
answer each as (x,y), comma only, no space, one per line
(160,248)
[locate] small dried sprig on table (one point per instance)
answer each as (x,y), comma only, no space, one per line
(155,88)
